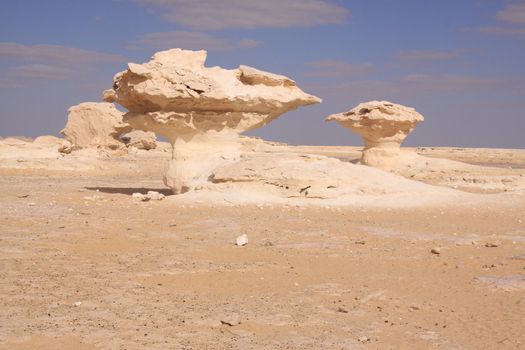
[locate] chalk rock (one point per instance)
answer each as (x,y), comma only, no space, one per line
(48,140)
(140,139)
(151,195)
(201,110)
(92,124)
(383,126)
(259,176)
(242,240)
(154,195)
(63,146)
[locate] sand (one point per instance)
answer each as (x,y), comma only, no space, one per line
(84,266)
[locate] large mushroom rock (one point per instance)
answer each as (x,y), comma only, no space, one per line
(92,124)
(383,126)
(200,110)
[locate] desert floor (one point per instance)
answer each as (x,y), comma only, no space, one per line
(84,266)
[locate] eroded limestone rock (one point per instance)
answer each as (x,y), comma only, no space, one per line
(92,124)
(201,110)
(383,126)
(140,139)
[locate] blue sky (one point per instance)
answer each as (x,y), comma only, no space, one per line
(460,63)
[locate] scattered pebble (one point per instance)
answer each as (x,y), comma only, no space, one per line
(242,240)
(360,242)
(77,303)
(436,251)
(31,204)
(24,195)
(414,308)
(342,310)
(151,195)
(364,339)
(491,245)
(156,196)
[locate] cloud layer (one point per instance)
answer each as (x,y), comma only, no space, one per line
(213,14)
(188,40)
(415,55)
(54,53)
(512,13)
(512,17)
(337,68)
(47,62)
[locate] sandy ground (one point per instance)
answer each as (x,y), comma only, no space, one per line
(84,266)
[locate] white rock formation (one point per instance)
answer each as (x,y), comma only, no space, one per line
(92,124)
(151,195)
(140,139)
(200,110)
(383,126)
(63,146)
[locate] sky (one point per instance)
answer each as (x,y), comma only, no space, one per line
(460,63)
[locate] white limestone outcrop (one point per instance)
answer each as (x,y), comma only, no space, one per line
(383,126)
(92,124)
(139,139)
(201,110)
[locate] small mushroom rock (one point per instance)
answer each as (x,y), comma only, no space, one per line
(383,126)
(93,124)
(200,110)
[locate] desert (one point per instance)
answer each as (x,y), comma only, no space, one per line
(256,175)
(251,244)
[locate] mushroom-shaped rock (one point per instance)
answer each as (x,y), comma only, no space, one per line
(94,124)
(383,126)
(200,110)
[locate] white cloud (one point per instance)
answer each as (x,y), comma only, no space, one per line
(413,86)
(512,17)
(415,55)
(188,40)
(453,82)
(39,71)
(499,30)
(512,13)
(54,53)
(247,43)
(337,68)
(221,14)
(48,62)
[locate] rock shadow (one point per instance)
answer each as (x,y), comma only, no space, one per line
(130,190)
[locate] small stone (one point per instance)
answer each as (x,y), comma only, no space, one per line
(31,204)
(242,240)
(156,196)
(24,195)
(342,310)
(414,308)
(360,242)
(364,339)
(491,244)
(77,303)
(436,251)
(140,197)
